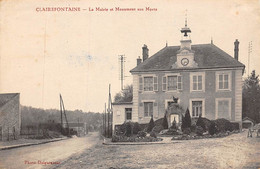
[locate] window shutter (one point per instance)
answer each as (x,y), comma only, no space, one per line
(164,83)
(179,83)
(140,83)
(155,83)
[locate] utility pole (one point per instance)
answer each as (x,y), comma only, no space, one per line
(250,46)
(105,121)
(63,111)
(110,112)
(121,59)
(61,122)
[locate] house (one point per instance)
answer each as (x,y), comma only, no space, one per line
(201,77)
(10,116)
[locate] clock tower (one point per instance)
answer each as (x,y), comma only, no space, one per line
(185,56)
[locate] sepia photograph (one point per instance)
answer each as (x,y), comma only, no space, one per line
(120,84)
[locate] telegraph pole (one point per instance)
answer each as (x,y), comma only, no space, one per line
(105,121)
(121,59)
(110,112)
(250,46)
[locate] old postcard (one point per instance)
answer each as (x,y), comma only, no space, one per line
(129,84)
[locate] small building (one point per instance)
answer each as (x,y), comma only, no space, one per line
(247,122)
(122,112)
(10,116)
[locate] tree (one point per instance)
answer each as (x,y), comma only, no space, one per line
(150,125)
(201,123)
(165,122)
(186,121)
(126,95)
(251,97)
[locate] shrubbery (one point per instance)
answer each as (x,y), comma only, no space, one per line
(223,125)
(165,122)
(141,134)
(129,128)
(199,130)
(212,128)
(153,134)
(136,128)
(157,129)
(201,123)
(150,125)
(186,120)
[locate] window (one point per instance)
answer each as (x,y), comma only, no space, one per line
(223,108)
(148,109)
(128,113)
(148,83)
(197,82)
(223,81)
(172,83)
(196,108)
(155,83)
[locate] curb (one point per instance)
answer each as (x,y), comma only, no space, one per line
(137,143)
(30,144)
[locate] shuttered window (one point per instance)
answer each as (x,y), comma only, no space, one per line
(148,109)
(155,83)
(164,82)
(140,83)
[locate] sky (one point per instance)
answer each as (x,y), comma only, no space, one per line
(75,53)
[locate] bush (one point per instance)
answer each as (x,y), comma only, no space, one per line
(212,128)
(158,122)
(165,122)
(235,126)
(153,134)
(136,128)
(199,130)
(150,125)
(193,128)
(201,123)
(223,125)
(115,138)
(157,129)
(186,131)
(128,129)
(141,134)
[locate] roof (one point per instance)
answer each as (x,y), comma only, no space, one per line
(207,56)
(249,119)
(5,98)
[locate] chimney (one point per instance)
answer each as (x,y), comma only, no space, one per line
(145,52)
(236,43)
(139,60)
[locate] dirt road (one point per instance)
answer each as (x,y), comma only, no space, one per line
(41,156)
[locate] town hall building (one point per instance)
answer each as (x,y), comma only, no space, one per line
(204,79)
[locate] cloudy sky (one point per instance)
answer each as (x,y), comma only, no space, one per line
(43,54)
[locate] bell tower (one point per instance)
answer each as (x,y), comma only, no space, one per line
(185,56)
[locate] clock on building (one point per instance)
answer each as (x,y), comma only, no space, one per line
(185,61)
